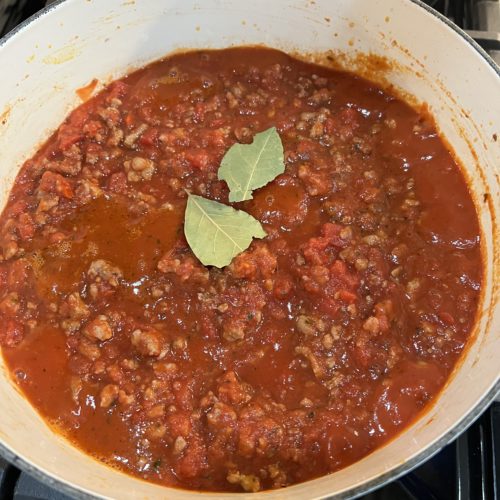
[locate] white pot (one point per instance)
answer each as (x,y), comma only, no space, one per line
(70,43)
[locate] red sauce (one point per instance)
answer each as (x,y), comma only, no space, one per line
(313,348)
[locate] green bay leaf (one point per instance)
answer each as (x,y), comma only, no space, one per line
(246,167)
(217,233)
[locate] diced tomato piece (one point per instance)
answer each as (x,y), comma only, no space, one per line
(194,461)
(11,333)
(118,182)
(341,273)
(71,131)
(330,126)
(200,109)
(79,116)
(362,352)
(26,226)
(306,146)
(183,396)
(216,137)
(179,424)
(314,249)
(130,120)
(383,322)
(344,123)
(446,318)
(149,137)
(18,274)
(350,117)
(207,327)
(3,276)
(56,183)
(198,158)
(69,135)
(17,208)
(118,90)
(282,287)
(330,230)
(339,268)
(347,296)
(328,306)
(93,127)
(285,125)
(217,122)
(57,237)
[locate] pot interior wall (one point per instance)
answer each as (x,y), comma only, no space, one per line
(79,40)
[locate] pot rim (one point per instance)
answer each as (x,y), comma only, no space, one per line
(468,419)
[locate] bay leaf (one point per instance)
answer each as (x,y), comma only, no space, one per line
(246,167)
(217,233)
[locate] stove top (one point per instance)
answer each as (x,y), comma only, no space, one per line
(479,18)
(467,469)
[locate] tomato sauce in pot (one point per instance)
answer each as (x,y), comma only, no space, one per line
(311,349)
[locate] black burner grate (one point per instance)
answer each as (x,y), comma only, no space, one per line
(12,12)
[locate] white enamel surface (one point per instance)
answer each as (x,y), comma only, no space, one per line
(79,40)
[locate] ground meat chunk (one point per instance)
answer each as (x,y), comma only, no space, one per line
(257,262)
(321,96)
(231,390)
(185,267)
(179,445)
(258,435)
(193,461)
(317,183)
(147,342)
(316,366)
(10,304)
(55,184)
(99,329)
(131,139)
(309,325)
(139,169)
(221,417)
(117,183)
(26,227)
(74,311)
(245,312)
(87,190)
(12,332)
(68,166)
(89,350)
(76,307)
(76,387)
(10,249)
(102,270)
(372,325)
(233,331)
(109,395)
(248,482)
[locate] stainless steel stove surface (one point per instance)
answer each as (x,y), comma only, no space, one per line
(467,469)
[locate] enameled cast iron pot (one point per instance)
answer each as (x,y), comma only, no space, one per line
(60,50)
